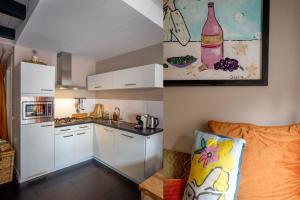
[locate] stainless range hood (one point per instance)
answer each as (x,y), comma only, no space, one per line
(64,72)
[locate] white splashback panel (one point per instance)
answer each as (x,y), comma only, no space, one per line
(66,107)
(129,108)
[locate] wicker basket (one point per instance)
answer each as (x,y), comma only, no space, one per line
(6,165)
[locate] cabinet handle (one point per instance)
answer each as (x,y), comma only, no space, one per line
(83,126)
(65,129)
(68,136)
(108,130)
(81,133)
(98,86)
(46,125)
(129,136)
(130,84)
(47,90)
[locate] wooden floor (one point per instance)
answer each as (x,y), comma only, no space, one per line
(86,181)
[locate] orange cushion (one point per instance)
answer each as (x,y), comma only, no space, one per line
(271,161)
(174,189)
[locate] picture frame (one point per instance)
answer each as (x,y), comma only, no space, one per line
(263,81)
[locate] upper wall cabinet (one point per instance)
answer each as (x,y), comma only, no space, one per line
(100,81)
(148,76)
(37,79)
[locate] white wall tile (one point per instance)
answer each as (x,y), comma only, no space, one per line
(156,109)
(66,107)
(129,108)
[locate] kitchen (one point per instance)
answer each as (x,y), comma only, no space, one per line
(78,100)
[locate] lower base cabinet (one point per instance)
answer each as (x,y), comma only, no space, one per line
(135,156)
(104,144)
(36,151)
(72,147)
(64,150)
(130,154)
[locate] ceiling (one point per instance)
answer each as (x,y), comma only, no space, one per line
(9,21)
(159,3)
(96,29)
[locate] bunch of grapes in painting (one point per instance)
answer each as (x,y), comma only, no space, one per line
(227,64)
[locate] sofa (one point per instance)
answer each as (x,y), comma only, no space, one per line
(271,161)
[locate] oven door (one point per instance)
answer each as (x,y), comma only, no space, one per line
(37,109)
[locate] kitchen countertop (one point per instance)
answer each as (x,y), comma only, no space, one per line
(124,126)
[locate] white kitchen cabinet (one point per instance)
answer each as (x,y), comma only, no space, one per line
(37,150)
(135,156)
(148,76)
(100,81)
(83,145)
(154,154)
(73,144)
(104,144)
(130,154)
(37,79)
(64,150)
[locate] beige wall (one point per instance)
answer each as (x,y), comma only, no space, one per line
(144,56)
(188,108)
(81,68)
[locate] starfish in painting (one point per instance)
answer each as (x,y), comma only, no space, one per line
(251,69)
(190,70)
(240,48)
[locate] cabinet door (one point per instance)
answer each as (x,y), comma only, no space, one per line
(130,154)
(100,81)
(137,77)
(104,144)
(37,149)
(154,154)
(83,145)
(37,79)
(64,150)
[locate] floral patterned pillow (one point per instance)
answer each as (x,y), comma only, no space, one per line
(215,167)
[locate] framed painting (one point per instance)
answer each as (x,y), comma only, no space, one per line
(220,42)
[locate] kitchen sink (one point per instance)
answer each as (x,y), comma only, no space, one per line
(111,122)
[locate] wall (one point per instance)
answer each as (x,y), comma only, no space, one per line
(188,108)
(65,107)
(140,57)
(81,68)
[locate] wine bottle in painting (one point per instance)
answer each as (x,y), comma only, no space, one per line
(211,39)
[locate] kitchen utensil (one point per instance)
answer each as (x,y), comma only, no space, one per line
(80,115)
(98,112)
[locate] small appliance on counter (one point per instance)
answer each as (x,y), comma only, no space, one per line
(139,123)
(150,122)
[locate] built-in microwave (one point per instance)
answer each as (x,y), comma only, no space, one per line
(37,109)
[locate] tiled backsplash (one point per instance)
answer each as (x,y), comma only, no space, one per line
(129,108)
(66,107)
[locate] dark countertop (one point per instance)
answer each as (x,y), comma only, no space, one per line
(124,126)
